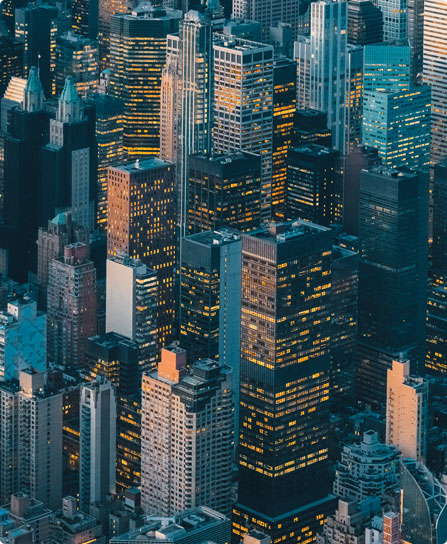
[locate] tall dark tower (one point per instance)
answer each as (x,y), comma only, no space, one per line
(439,247)
(28,131)
(284,380)
(365,23)
(85,18)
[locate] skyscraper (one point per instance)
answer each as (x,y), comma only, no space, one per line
(40,439)
(76,56)
(84,15)
(434,70)
(98,442)
(71,306)
(141,224)
(224,191)
(407,411)
(354,96)
(138,41)
(69,161)
(392,276)
(107,8)
(181,469)
(131,305)
(439,246)
(415,33)
(243,104)
(11,61)
(394,20)
(269,13)
(285,338)
(365,23)
(328,46)
(387,68)
(436,356)
(9,443)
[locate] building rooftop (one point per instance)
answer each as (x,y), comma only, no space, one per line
(282,232)
(239,44)
(219,237)
(137,166)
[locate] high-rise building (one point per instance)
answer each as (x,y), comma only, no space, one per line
(12,98)
(269,13)
(9,439)
(28,129)
(311,128)
(407,411)
(224,191)
(397,124)
(439,246)
(386,68)
(285,342)
(392,276)
(84,15)
(69,161)
(182,469)
(313,185)
(210,300)
(98,442)
(71,306)
(76,56)
(343,322)
(11,61)
(415,34)
(243,104)
(23,339)
(109,129)
(284,111)
(50,244)
(141,224)
(131,305)
(7,11)
(365,23)
(138,41)
(40,439)
(107,8)
(328,47)
(394,20)
(36,28)
(353,476)
(354,96)
(434,70)
(436,356)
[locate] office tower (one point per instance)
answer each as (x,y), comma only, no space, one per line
(394,20)
(302,56)
(434,69)
(365,23)
(353,476)
(69,161)
(224,191)
(98,442)
(392,276)
(313,184)
(243,28)
(423,504)
(40,439)
(407,411)
(360,158)
(181,469)
(169,101)
(141,224)
(28,127)
(415,34)
(397,124)
(50,244)
(311,128)
(131,305)
(284,110)
(343,322)
(269,13)
(71,306)
(281,39)
(76,56)
(13,97)
(107,8)
(11,61)
(194,526)
(7,12)
(115,358)
(109,130)
(243,104)
(84,15)
(439,246)
(436,356)
(354,96)
(285,341)
(386,68)
(328,45)
(23,339)
(36,27)
(193,101)
(138,40)
(9,439)
(210,300)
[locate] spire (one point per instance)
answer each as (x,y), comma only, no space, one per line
(33,93)
(70,105)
